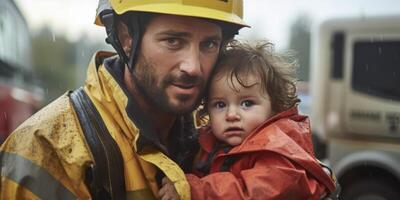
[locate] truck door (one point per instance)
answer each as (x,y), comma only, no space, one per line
(372,79)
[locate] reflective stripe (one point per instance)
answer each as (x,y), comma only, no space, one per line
(33,177)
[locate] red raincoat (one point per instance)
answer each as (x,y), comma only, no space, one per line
(276,161)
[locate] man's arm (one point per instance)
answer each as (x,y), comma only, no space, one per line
(46,157)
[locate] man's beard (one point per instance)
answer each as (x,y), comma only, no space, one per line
(154,91)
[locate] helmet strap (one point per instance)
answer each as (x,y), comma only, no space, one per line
(133,22)
(108,18)
(135,27)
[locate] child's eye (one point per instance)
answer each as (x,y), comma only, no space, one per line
(247,103)
(219,104)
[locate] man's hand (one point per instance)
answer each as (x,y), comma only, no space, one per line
(167,191)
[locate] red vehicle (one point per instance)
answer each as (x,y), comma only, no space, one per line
(19,95)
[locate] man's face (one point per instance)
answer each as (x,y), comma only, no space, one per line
(176,57)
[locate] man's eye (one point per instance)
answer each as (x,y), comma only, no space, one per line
(247,103)
(173,42)
(211,45)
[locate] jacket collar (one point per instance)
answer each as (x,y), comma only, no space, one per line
(105,84)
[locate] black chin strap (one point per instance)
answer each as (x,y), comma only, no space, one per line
(108,19)
(133,22)
(135,31)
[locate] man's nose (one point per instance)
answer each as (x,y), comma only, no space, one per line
(232,114)
(191,62)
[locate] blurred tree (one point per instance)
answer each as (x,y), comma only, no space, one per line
(85,49)
(60,64)
(53,59)
(300,42)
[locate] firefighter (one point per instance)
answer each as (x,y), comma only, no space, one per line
(124,130)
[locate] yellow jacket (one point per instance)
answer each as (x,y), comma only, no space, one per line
(46,157)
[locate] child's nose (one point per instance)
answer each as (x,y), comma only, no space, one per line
(232,114)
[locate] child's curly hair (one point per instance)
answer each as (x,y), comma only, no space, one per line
(277,75)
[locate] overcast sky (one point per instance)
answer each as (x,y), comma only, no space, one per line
(269,18)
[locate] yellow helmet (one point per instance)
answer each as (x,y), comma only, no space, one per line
(230,11)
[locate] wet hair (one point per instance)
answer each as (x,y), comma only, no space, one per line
(276,72)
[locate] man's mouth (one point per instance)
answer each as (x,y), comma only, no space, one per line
(184,85)
(185,88)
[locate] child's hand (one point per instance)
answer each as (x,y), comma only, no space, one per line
(167,191)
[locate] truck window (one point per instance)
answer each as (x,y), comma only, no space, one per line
(338,51)
(376,68)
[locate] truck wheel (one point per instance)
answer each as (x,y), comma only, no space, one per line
(371,189)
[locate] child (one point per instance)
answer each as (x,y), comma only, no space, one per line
(257,145)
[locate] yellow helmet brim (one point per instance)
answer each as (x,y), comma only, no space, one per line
(222,10)
(184,10)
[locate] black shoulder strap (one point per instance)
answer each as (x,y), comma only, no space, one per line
(105,178)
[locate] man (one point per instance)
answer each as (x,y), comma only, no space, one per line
(130,117)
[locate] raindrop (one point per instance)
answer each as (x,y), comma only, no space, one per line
(380,50)
(366,67)
(5,115)
(83,53)
(54,37)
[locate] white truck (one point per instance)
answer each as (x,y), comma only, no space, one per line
(355,111)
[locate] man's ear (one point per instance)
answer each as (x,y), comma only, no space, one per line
(124,37)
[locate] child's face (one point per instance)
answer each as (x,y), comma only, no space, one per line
(235,113)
